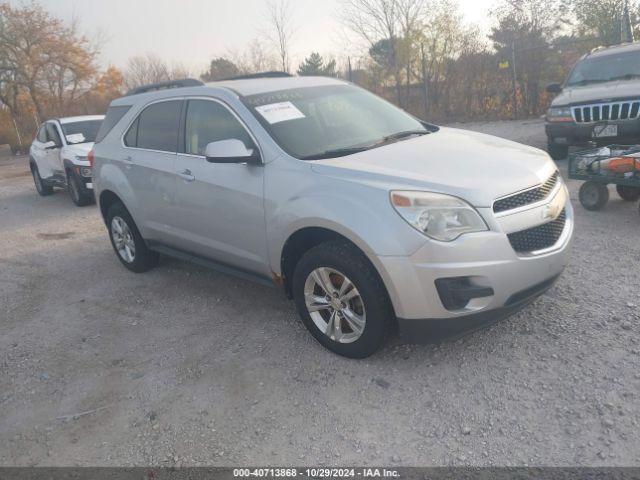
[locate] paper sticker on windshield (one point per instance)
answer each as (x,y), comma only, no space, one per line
(75,138)
(279,112)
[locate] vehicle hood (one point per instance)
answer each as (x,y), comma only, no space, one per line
(598,92)
(80,149)
(475,167)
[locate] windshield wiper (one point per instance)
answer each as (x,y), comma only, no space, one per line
(341,152)
(401,135)
(337,152)
(587,82)
(628,76)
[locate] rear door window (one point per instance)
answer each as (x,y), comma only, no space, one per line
(131,137)
(157,127)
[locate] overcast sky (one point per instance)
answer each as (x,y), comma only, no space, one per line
(193,31)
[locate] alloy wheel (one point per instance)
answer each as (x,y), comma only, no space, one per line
(123,239)
(335,305)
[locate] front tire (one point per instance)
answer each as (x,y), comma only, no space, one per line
(593,196)
(75,192)
(558,152)
(42,188)
(342,300)
(130,247)
(628,194)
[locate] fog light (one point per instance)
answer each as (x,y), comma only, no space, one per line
(456,292)
(85,171)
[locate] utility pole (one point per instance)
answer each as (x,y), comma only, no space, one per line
(350,72)
(425,82)
(514,80)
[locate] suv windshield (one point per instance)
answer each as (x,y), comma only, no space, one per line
(331,121)
(81,132)
(605,69)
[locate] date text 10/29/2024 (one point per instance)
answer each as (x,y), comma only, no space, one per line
(316,472)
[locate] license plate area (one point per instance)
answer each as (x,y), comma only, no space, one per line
(604,131)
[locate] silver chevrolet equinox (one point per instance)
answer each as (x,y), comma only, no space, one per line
(369,218)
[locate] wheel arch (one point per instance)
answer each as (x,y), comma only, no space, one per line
(68,164)
(106,199)
(303,239)
(33,163)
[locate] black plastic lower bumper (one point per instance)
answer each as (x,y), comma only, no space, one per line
(435,329)
(85,183)
(574,134)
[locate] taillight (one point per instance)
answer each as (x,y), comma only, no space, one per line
(90,157)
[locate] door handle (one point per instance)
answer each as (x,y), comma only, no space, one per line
(186,175)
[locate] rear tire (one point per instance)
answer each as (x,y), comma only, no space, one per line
(358,304)
(127,243)
(593,196)
(78,197)
(629,194)
(42,188)
(558,152)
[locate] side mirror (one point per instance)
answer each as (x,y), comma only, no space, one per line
(554,88)
(50,145)
(231,151)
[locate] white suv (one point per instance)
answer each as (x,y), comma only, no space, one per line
(58,156)
(366,216)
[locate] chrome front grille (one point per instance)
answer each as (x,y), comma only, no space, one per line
(527,197)
(624,110)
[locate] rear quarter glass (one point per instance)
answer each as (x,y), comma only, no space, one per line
(113,116)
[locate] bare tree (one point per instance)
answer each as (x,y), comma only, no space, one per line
(257,59)
(390,28)
(146,69)
(280,18)
(142,70)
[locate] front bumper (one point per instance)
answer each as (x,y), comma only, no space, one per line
(580,134)
(487,259)
(84,180)
(430,329)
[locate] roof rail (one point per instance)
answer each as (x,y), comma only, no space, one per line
(248,76)
(185,82)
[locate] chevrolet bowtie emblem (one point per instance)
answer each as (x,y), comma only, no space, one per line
(550,211)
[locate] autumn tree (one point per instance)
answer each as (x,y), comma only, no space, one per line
(603,19)
(110,83)
(42,56)
(528,27)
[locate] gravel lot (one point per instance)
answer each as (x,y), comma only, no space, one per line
(183,366)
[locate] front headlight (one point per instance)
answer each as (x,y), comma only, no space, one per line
(441,217)
(559,114)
